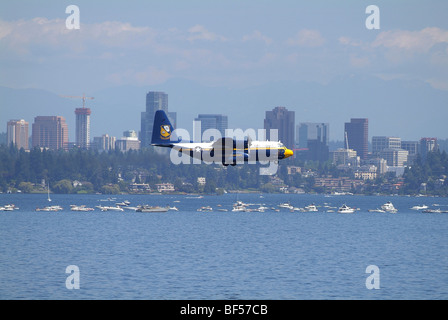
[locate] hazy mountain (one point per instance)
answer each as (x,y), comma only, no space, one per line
(407,109)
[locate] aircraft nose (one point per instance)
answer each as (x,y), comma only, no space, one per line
(288,153)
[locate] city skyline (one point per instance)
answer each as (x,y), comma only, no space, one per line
(319,132)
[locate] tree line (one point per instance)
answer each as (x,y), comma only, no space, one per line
(89,171)
(113,171)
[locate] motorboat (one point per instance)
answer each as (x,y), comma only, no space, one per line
(389,207)
(147,208)
(8,207)
(81,208)
(422,207)
(311,208)
(239,206)
(205,208)
(346,209)
(108,208)
(432,210)
(50,208)
(286,205)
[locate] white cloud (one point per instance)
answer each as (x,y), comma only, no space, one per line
(417,41)
(22,36)
(307,38)
(199,32)
(258,36)
(420,54)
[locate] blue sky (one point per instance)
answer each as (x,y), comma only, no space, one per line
(229,44)
(223,43)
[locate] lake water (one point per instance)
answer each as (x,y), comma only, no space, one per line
(188,254)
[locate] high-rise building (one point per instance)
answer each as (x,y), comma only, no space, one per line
(394,157)
(381,143)
(412,148)
(83,127)
(356,136)
(427,145)
(50,132)
(314,137)
(282,120)
(17,133)
(104,143)
(154,101)
(129,141)
(213,121)
(312,131)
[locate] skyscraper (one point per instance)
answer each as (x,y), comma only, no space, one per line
(213,121)
(356,136)
(50,132)
(154,101)
(83,127)
(427,145)
(17,133)
(314,137)
(282,120)
(312,131)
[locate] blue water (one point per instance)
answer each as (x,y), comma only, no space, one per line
(223,255)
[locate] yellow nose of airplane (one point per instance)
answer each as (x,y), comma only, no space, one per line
(288,153)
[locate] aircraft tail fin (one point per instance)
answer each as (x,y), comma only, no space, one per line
(162,130)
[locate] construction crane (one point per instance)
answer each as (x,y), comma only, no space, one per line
(83,99)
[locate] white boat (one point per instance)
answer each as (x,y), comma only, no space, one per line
(438,210)
(286,205)
(8,207)
(81,208)
(311,208)
(147,208)
(123,203)
(239,206)
(173,209)
(389,207)
(108,208)
(346,209)
(50,208)
(422,207)
(205,208)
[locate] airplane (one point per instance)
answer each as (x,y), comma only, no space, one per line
(227,151)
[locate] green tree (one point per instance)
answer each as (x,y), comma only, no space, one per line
(63,186)
(26,187)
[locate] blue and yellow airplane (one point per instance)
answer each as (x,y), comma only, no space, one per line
(224,150)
